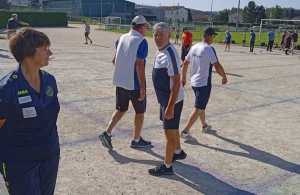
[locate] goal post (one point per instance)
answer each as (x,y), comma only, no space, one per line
(281,20)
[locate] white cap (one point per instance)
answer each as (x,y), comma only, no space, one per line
(138,20)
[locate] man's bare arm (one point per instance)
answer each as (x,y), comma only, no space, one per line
(2,123)
(140,69)
(220,70)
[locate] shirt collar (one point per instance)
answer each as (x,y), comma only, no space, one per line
(24,84)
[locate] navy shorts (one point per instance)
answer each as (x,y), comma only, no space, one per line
(123,96)
(86,34)
(175,121)
(36,177)
(228,42)
(202,96)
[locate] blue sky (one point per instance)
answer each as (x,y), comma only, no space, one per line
(205,5)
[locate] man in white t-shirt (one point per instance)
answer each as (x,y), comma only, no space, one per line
(170,94)
(129,79)
(202,58)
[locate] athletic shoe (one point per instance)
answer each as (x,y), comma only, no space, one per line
(141,144)
(91,41)
(182,155)
(161,169)
(206,128)
(85,43)
(106,140)
(187,136)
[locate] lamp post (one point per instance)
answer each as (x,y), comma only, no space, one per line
(212,2)
(237,16)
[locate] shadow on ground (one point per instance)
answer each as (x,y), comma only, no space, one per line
(189,175)
(253,153)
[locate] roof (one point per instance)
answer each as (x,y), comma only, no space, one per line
(199,17)
(171,8)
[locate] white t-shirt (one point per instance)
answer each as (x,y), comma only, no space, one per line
(201,57)
(167,63)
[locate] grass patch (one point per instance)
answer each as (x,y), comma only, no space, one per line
(2,37)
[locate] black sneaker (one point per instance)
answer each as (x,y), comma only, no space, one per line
(161,169)
(182,155)
(106,140)
(141,144)
(91,41)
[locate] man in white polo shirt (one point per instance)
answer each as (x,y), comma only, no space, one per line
(202,58)
(130,82)
(170,94)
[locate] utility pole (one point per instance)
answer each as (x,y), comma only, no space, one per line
(237,16)
(212,2)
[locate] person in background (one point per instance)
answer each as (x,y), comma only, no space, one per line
(288,42)
(227,40)
(283,34)
(11,27)
(294,40)
(252,40)
(177,34)
(29,107)
(187,41)
(271,36)
(87,31)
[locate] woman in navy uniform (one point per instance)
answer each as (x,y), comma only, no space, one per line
(29,144)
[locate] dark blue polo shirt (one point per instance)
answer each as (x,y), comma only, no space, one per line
(30,131)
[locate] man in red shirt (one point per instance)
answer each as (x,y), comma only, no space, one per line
(187,40)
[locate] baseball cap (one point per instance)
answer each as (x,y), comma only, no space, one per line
(209,31)
(161,27)
(184,28)
(138,20)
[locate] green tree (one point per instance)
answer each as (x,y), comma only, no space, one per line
(224,15)
(261,13)
(251,11)
(276,12)
(245,16)
(4,4)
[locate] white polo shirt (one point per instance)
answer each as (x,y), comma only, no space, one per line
(201,57)
(167,63)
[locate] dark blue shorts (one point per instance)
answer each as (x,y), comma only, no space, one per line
(30,178)
(175,121)
(202,96)
(228,42)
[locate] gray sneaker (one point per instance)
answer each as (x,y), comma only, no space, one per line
(106,140)
(206,128)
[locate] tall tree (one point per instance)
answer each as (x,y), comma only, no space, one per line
(261,13)
(4,4)
(251,11)
(224,15)
(245,16)
(276,12)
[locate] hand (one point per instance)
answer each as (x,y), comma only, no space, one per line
(183,82)
(169,113)
(142,95)
(224,81)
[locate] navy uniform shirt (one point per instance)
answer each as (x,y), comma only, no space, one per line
(30,131)
(166,64)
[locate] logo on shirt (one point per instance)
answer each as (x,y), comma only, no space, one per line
(22,92)
(14,76)
(49,91)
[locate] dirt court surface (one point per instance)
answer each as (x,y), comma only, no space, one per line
(254,147)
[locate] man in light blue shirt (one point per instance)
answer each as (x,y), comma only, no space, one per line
(271,40)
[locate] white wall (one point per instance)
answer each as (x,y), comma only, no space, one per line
(180,15)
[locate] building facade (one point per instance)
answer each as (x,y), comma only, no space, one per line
(232,17)
(175,13)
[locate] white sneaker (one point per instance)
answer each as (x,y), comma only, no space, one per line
(187,136)
(207,128)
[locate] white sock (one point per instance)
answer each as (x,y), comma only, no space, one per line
(178,151)
(137,140)
(168,165)
(108,134)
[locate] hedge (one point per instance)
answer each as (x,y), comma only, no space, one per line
(35,18)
